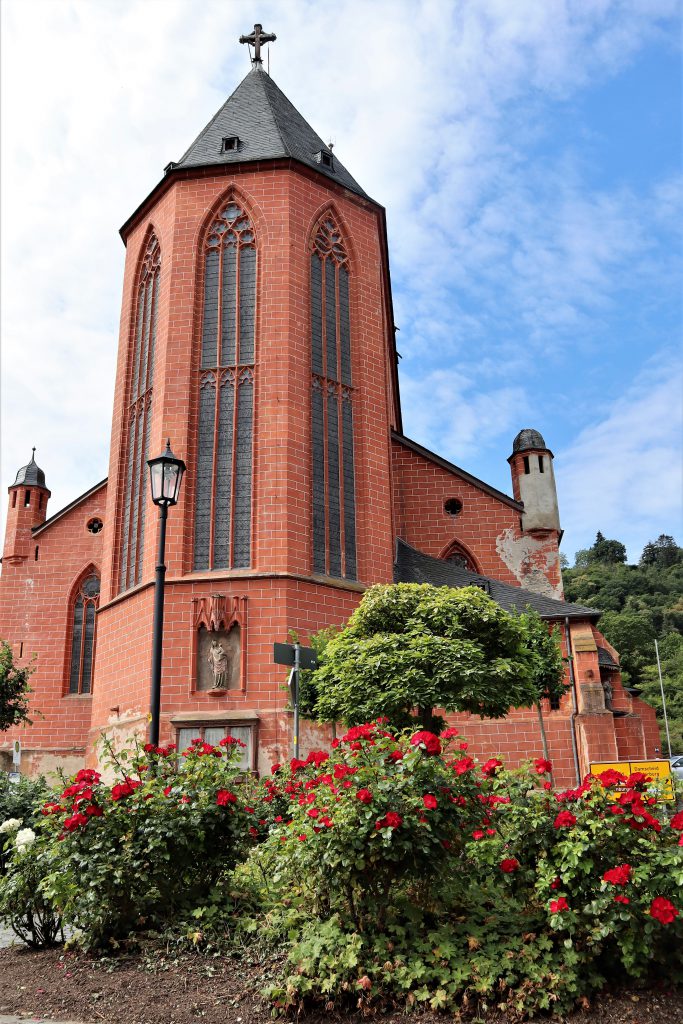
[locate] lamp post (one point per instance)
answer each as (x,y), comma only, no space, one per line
(165,477)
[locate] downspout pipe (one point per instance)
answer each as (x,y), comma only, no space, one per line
(575,706)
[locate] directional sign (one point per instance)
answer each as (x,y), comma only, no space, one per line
(283,654)
(659,771)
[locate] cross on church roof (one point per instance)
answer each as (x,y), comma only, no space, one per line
(256,39)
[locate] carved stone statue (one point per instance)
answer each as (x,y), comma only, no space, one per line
(607,689)
(218,660)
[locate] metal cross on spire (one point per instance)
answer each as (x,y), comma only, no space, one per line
(256,39)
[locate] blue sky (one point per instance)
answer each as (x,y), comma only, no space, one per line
(528,155)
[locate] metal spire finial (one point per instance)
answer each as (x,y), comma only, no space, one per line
(256,39)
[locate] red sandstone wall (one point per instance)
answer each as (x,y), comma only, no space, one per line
(34,609)
(420,489)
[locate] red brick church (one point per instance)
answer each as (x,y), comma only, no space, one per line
(257,333)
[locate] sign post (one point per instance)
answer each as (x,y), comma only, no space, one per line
(299,658)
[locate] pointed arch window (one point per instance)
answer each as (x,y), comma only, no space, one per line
(138,417)
(458,555)
(83,623)
(222,525)
(334,503)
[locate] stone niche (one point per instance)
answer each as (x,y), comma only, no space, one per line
(230,640)
(219,624)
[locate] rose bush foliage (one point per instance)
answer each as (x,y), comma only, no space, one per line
(136,852)
(391,870)
(405,872)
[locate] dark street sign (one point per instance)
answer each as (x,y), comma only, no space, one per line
(283,654)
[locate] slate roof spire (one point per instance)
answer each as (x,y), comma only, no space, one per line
(31,474)
(258,122)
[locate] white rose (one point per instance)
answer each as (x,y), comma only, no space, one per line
(10,825)
(24,838)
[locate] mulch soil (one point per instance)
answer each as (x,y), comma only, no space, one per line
(158,987)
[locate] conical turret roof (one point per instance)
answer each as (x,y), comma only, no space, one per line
(30,475)
(268,127)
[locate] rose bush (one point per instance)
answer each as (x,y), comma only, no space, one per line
(140,851)
(403,871)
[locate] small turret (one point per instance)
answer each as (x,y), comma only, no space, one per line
(533,482)
(28,497)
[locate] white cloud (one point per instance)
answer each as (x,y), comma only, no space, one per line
(420,97)
(623,474)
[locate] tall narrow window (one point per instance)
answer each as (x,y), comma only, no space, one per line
(138,418)
(334,503)
(83,612)
(222,525)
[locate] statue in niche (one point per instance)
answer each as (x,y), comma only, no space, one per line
(218,660)
(607,690)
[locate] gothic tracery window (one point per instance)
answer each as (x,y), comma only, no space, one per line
(138,418)
(222,528)
(334,507)
(460,556)
(83,611)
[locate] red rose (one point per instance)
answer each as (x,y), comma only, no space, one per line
(396,755)
(663,910)
(364,795)
(621,899)
(390,820)
(302,837)
(542,767)
(556,883)
(465,764)
(618,876)
(229,741)
(317,757)
(312,812)
(478,834)
(253,832)
(275,767)
(463,746)
(448,734)
(565,819)
(558,905)
(491,766)
(637,780)
(509,865)
(611,778)
(677,820)
(225,797)
(427,741)
(429,801)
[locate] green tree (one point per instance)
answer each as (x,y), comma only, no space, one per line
(671,658)
(611,552)
(413,646)
(14,689)
(633,635)
(663,552)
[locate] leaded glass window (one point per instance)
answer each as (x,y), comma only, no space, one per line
(83,619)
(222,525)
(334,503)
(138,418)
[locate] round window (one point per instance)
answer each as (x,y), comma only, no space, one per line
(94,525)
(452,507)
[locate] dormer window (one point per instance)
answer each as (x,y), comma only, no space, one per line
(325,159)
(230,144)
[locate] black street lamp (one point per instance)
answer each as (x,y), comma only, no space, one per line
(165,477)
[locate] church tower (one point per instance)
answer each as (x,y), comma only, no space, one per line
(533,484)
(256,333)
(28,497)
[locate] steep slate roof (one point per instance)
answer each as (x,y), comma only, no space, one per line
(269,128)
(31,474)
(413,566)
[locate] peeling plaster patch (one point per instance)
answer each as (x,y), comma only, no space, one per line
(530,560)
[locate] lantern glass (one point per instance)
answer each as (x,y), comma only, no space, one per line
(165,477)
